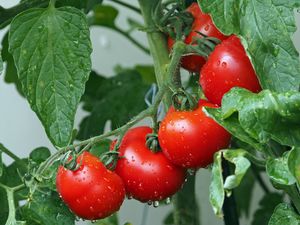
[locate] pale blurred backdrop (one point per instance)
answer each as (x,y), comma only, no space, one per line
(21,131)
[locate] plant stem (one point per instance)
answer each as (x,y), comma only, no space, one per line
(131,39)
(11,202)
(12,155)
(229,208)
(293,192)
(135,9)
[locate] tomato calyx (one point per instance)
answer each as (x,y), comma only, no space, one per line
(202,45)
(183,101)
(152,142)
(110,159)
(176,21)
(69,161)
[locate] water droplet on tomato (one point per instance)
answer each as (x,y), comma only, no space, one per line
(92,209)
(219,62)
(156,204)
(224,64)
(168,200)
(206,27)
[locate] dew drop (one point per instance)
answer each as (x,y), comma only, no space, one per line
(168,200)
(149,202)
(156,204)
(224,64)
(92,209)
(206,27)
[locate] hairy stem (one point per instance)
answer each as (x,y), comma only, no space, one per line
(132,40)
(12,155)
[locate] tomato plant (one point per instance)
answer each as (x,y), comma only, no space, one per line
(147,176)
(198,136)
(202,25)
(91,191)
(249,142)
(228,66)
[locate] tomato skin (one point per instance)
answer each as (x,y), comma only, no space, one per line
(147,176)
(228,66)
(204,24)
(92,191)
(190,138)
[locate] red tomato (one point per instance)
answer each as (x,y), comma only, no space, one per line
(204,24)
(92,191)
(147,176)
(228,66)
(190,138)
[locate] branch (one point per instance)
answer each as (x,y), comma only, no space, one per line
(135,9)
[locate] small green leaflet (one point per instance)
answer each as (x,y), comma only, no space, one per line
(277,169)
(267,27)
(294,163)
(262,116)
(51,49)
(218,187)
(284,214)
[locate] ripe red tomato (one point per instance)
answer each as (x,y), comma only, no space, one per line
(147,176)
(228,66)
(190,138)
(204,24)
(92,191)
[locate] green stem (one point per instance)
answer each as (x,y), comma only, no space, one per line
(293,192)
(52,3)
(11,219)
(12,155)
(157,42)
(135,9)
(131,39)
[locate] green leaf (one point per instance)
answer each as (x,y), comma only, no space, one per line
(40,154)
(11,75)
(47,209)
(242,164)
(147,73)
(186,208)
(101,147)
(278,170)
(266,207)
(284,214)
(232,125)
(267,27)
(112,220)
(169,219)
(51,48)
(103,15)
(294,163)
(216,188)
(116,99)
(257,113)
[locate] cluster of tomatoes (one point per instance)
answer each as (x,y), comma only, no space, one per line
(188,139)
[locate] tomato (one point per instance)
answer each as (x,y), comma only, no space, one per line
(190,138)
(204,24)
(147,176)
(92,191)
(228,66)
